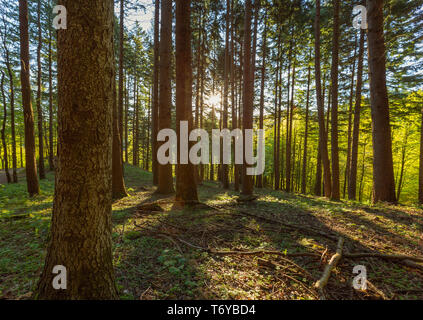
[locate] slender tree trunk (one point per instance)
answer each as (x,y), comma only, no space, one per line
(352,181)
(403,161)
(3,128)
(383,171)
(247,182)
(126,116)
(304,174)
(277,128)
(118,183)
(335,195)
(350,112)
(421,160)
(30,162)
(289,133)
(155,108)
(147,162)
(320,107)
(50,105)
(39,107)
(262,86)
(81,222)
(165,171)
(121,59)
(12,105)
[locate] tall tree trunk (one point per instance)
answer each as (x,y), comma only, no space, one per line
(262,86)
(289,134)
(30,163)
(304,171)
(383,171)
(421,160)
(50,104)
(403,161)
(165,171)
(121,59)
(247,182)
(81,222)
(335,195)
(39,107)
(277,129)
(320,107)
(3,128)
(118,183)
(155,108)
(147,162)
(186,188)
(12,104)
(350,112)
(352,181)
(126,116)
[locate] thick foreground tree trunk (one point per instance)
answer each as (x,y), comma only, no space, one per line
(30,163)
(383,172)
(186,188)
(81,223)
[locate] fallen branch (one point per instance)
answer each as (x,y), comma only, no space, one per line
(382,256)
(274,265)
(254,252)
(322,282)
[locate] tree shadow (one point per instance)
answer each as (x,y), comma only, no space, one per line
(164,256)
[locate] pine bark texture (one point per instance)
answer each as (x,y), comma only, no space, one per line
(30,162)
(155,106)
(81,223)
(335,195)
(247,183)
(383,172)
(186,188)
(165,185)
(322,130)
(352,180)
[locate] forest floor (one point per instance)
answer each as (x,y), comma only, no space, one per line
(165,252)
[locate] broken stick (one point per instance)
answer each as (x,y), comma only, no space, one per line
(321,283)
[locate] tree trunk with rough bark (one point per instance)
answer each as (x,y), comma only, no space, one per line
(165,185)
(30,162)
(2,131)
(247,117)
(41,170)
(155,108)
(186,188)
(322,130)
(335,195)
(81,222)
(383,172)
(352,180)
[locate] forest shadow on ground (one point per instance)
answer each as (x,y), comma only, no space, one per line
(170,256)
(168,253)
